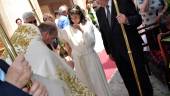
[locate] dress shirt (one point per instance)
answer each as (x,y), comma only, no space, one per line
(2,75)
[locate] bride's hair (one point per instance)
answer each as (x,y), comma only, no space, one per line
(75,9)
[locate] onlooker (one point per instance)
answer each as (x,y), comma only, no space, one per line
(18,21)
(48,17)
(63,19)
(91,12)
(29,17)
(57,15)
(152,12)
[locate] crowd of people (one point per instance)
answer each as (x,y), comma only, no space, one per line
(58,55)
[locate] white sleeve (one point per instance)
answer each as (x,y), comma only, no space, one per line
(62,34)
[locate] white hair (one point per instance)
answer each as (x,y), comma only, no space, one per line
(62,9)
(27,15)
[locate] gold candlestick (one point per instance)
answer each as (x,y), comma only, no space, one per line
(7,44)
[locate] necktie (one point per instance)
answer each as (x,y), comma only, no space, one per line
(108,15)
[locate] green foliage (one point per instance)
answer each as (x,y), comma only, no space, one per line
(92,17)
(168,6)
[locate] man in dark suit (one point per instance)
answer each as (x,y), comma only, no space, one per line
(17,75)
(115,46)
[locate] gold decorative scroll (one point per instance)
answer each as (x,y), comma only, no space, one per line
(7,44)
(10,49)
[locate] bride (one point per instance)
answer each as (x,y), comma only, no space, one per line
(80,36)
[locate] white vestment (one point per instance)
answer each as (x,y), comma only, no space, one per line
(54,87)
(87,63)
(44,62)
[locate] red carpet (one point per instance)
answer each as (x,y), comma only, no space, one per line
(109,66)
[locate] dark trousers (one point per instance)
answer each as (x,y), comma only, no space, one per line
(127,74)
(152,38)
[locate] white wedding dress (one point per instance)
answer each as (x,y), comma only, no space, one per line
(87,63)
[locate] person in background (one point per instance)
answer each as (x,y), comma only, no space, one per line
(91,12)
(48,17)
(63,19)
(152,12)
(29,17)
(61,22)
(114,43)
(57,15)
(18,21)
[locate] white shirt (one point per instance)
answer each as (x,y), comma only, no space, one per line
(110,6)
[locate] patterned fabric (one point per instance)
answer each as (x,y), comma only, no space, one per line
(22,37)
(77,88)
(27,39)
(149,17)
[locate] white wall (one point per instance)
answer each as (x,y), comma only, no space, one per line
(12,9)
(81,3)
